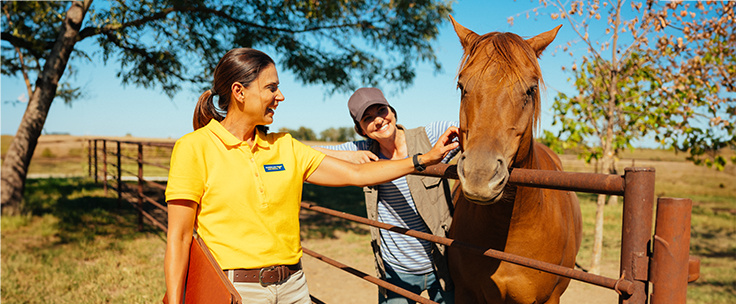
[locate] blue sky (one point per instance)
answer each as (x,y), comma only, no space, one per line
(109,109)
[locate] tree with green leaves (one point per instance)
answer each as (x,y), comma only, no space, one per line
(652,69)
(342,134)
(303,133)
(161,44)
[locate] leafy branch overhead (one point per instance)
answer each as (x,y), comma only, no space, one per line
(339,44)
(163,44)
(660,70)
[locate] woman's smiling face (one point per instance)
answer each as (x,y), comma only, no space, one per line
(378,122)
(263,95)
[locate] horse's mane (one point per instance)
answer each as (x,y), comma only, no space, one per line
(511,53)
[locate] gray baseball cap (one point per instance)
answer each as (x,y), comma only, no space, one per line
(362,99)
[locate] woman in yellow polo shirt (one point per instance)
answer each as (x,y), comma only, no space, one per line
(240,186)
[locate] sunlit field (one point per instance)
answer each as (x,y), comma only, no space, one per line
(87,250)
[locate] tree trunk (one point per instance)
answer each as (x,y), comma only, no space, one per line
(613,199)
(607,167)
(595,264)
(18,157)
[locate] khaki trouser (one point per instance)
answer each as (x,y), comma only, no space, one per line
(292,291)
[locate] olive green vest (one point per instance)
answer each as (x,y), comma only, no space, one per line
(433,201)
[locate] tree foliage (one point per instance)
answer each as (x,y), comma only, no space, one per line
(669,76)
(340,45)
(342,134)
(303,133)
(652,69)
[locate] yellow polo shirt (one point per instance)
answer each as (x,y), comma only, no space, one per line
(249,198)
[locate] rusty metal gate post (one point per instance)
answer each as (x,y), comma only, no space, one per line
(120,180)
(671,251)
(636,232)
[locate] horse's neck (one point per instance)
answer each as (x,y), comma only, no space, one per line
(525,156)
(526,200)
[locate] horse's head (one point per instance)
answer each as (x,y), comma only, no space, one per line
(499,78)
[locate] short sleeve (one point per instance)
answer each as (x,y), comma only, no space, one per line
(187,172)
(308,159)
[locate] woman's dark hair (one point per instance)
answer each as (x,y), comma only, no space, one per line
(242,65)
(359,129)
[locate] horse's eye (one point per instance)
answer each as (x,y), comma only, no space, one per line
(462,89)
(530,93)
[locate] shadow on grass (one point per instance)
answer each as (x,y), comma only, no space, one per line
(82,211)
(346,199)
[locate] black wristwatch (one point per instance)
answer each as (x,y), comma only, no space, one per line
(417,166)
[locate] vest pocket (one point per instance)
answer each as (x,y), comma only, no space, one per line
(431,181)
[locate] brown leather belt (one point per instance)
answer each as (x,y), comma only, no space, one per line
(265,276)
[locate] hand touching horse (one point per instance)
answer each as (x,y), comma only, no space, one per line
(500,82)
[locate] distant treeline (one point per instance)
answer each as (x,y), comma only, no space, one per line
(342,134)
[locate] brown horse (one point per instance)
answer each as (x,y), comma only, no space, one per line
(499,78)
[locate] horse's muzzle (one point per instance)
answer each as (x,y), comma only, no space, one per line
(482,182)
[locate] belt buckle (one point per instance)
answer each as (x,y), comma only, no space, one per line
(260,275)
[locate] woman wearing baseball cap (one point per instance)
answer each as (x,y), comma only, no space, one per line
(415,202)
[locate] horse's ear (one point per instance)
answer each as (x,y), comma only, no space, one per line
(541,41)
(465,35)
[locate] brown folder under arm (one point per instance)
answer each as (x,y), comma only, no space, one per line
(206,282)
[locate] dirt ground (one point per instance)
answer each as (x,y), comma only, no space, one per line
(332,285)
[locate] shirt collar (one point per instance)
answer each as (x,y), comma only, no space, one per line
(261,140)
(229,139)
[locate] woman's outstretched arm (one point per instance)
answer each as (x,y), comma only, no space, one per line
(178,242)
(335,172)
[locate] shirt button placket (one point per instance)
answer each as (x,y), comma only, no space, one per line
(259,182)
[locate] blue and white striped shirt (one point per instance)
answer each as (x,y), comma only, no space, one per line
(396,207)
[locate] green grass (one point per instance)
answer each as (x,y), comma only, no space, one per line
(87,251)
(75,246)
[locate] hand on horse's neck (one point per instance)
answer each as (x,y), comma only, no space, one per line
(395,147)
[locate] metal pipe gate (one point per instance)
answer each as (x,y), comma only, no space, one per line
(666,264)
(660,261)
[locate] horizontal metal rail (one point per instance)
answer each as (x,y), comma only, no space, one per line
(369,278)
(155,221)
(155,203)
(623,286)
(558,180)
(155,184)
(145,143)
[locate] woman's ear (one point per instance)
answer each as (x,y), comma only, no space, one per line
(359,130)
(238,91)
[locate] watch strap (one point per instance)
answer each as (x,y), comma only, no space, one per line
(417,166)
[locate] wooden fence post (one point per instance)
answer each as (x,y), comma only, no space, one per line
(89,158)
(96,161)
(140,187)
(120,179)
(104,165)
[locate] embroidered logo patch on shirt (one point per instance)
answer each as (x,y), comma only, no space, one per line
(274,168)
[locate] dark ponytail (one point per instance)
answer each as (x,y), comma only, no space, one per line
(206,110)
(242,65)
